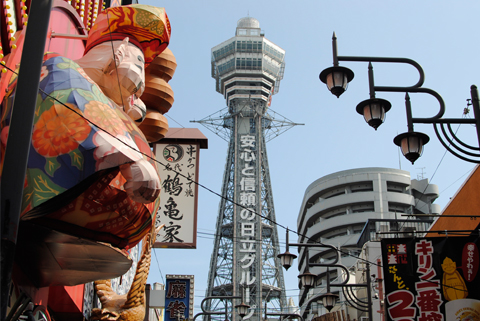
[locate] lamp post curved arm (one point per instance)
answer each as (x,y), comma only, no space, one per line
(332,264)
(408,61)
(279,314)
(202,313)
(328,299)
(374,109)
(222,297)
(341,266)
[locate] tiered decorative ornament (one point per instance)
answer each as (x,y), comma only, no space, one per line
(91,173)
(158,95)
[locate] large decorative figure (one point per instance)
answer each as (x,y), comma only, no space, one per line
(90,171)
(130,306)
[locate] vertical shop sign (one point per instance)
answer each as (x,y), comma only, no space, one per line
(179,297)
(431,279)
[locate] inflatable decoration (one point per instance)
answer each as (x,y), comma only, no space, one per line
(89,169)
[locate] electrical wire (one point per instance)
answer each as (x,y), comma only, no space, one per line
(158,264)
(431,178)
(195,182)
(210,190)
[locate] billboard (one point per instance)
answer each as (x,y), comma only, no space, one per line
(179,297)
(432,279)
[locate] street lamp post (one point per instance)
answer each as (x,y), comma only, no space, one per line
(411,142)
(329,299)
(241,308)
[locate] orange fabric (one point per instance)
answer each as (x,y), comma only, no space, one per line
(105,207)
(146,24)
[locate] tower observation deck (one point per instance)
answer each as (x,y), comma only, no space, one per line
(247,69)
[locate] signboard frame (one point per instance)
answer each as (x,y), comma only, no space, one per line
(179,157)
(431,278)
(175,296)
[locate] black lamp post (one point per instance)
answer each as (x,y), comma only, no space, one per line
(336,77)
(329,299)
(374,109)
(286,259)
(242,308)
(307,278)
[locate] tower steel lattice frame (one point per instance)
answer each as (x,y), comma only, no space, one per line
(244,263)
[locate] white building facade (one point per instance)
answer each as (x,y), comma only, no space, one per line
(347,209)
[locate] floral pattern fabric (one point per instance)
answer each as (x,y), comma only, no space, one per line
(79,141)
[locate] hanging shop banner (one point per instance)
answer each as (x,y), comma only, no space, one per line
(179,297)
(431,279)
(178,196)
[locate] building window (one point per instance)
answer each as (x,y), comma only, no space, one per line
(396,187)
(228,66)
(365,207)
(249,63)
(224,51)
(334,213)
(249,46)
(361,187)
(274,53)
(333,192)
(398,208)
(336,233)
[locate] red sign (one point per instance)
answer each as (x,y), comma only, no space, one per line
(470,261)
(430,279)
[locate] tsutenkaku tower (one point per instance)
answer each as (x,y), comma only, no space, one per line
(247,69)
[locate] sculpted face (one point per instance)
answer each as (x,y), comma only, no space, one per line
(119,72)
(131,71)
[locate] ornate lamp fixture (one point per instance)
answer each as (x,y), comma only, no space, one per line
(242,309)
(374,109)
(411,144)
(336,78)
(329,299)
(308,279)
(286,259)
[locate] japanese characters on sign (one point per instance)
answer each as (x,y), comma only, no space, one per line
(179,296)
(429,279)
(247,221)
(178,195)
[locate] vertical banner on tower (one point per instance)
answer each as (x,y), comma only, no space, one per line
(248,201)
(431,279)
(179,297)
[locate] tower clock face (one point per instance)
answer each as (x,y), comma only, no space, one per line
(173,153)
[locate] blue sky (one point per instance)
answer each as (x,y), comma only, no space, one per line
(440,35)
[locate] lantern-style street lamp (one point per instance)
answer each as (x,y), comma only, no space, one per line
(329,299)
(307,278)
(286,258)
(242,308)
(374,109)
